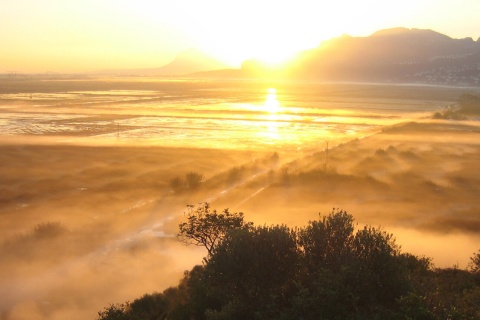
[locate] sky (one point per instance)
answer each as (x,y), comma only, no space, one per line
(88,35)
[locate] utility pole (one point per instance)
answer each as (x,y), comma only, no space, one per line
(326,158)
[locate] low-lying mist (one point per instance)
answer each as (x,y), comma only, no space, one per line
(89,216)
(86,226)
(409,179)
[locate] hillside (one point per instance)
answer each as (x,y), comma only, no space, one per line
(186,62)
(393,55)
(190,61)
(397,55)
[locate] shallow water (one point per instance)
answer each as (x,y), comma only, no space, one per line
(263,118)
(117,207)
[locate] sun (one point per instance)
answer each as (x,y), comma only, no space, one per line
(266,37)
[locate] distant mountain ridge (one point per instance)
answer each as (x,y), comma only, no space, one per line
(393,55)
(396,55)
(191,61)
(186,62)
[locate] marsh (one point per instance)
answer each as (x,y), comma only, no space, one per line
(87,168)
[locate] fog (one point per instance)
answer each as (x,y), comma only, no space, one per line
(88,226)
(89,213)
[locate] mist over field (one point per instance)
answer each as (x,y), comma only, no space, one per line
(97,173)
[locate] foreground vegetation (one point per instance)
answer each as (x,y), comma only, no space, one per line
(326,270)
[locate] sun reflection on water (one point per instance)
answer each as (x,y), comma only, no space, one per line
(271,104)
(272,125)
(272,129)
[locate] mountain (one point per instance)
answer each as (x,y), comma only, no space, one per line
(392,55)
(189,61)
(397,55)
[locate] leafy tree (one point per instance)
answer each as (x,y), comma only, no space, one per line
(48,230)
(285,173)
(150,306)
(193,180)
(455,294)
(349,274)
(256,267)
(207,228)
(116,312)
(475,262)
(326,270)
(235,175)
(177,184)
(327,242)
(274,159)
(383,277)
(469,103)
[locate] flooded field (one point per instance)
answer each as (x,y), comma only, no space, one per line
(207,114)
(89,213)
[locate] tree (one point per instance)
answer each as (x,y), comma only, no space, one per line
(469,103)
(150,306)
(274,159)
(377,259)
(255,270)
(327,242)
(193,180)
(475,262)
(207,228)
(116,312)
(327,270)
(177,184)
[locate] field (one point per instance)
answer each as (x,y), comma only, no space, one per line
(88,212)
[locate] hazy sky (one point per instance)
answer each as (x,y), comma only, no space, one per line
(85,35)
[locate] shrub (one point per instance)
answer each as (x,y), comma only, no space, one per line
(177,184)
(193,180)
(327,270)
(48,230)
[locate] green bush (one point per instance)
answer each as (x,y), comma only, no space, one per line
(191,181)
(326,270)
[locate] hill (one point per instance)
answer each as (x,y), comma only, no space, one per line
(393,55)
(397,55)
(186,62)
(190,61)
